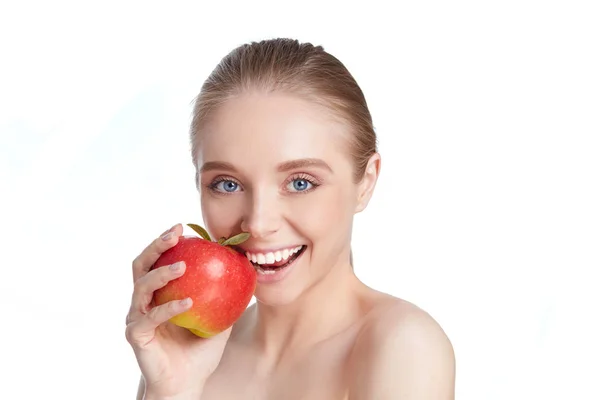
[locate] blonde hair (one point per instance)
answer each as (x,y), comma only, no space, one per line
(286,65)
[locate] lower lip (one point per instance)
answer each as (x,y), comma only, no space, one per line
(280,273)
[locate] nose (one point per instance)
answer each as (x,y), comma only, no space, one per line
(262,217)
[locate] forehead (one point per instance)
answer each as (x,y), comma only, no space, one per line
(271,128)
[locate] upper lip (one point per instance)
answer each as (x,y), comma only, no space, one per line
(254,250)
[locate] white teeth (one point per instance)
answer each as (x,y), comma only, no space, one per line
(265,272)
(271,258)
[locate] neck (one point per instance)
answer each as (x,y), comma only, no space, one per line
(325,309)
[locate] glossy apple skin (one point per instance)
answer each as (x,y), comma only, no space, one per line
(219,280)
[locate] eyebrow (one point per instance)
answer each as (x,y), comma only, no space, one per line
(303,163)
(283,167)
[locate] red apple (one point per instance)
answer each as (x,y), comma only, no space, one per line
(219,280)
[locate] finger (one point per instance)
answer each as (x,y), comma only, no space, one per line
(144,261)
(145,287)
(141,331)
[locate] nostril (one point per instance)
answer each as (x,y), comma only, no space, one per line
(261,221)
(260,232)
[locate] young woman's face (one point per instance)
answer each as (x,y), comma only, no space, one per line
(278,168)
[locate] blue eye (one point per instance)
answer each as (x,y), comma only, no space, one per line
(225,186)
(300,185)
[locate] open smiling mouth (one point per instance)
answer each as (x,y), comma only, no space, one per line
(267,269)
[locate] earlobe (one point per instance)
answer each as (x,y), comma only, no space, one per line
(367,185)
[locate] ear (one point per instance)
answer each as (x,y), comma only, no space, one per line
(367,184)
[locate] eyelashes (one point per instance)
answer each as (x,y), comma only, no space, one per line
(214,185)
(313,182)
(224,185)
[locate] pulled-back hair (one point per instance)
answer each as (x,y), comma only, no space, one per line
(288,66)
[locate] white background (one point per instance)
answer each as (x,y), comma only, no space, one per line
(486,214)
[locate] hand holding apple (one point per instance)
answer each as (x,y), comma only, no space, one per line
(174,362)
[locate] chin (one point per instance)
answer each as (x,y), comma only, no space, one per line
(286,285)
(276,297)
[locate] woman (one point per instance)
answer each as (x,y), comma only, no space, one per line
(285,150)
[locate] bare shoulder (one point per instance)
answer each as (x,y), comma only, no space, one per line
(401,352)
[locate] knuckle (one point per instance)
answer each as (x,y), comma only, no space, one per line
(130,334)
(164,277)
(154,315)
(136,265)
(140,285)
(134,337)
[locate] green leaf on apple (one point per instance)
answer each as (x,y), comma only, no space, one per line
(200,231)
(237,239)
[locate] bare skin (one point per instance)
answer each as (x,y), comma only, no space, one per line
(318,333)
(332,367)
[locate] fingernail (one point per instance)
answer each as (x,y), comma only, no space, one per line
(176,267)
(185,302)
(167,236)
(169,230)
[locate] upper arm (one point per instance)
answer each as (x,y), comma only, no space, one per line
(403,355)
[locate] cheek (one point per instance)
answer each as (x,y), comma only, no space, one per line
(324,215)
(218,216)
